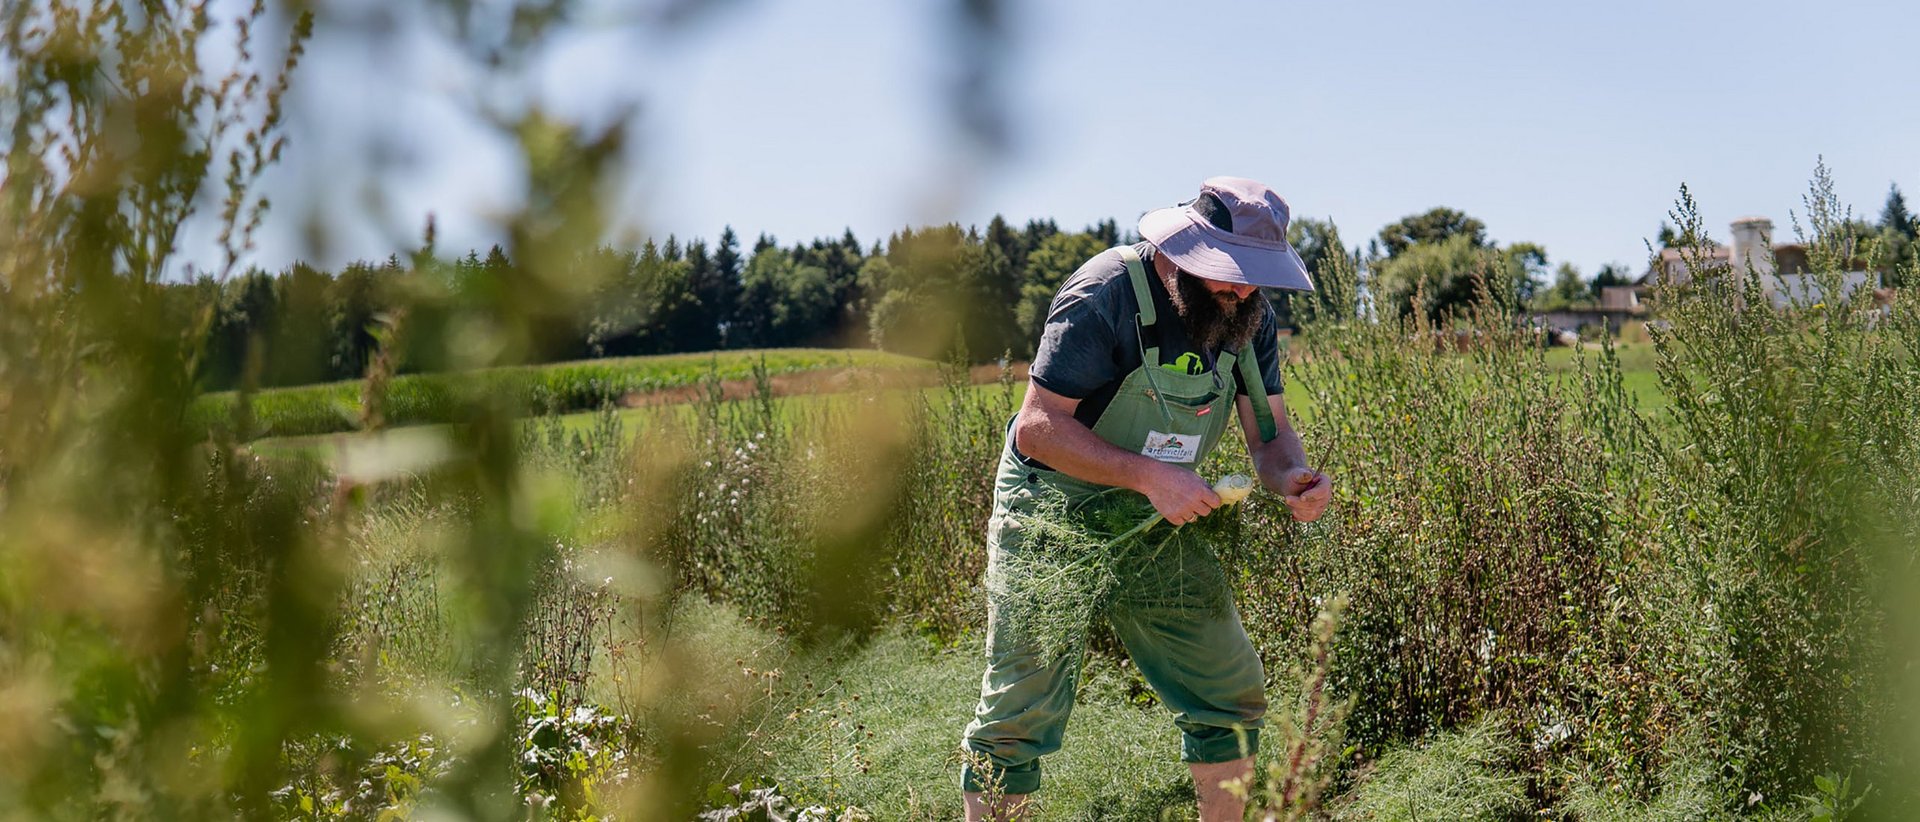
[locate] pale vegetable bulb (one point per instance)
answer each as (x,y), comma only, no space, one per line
(1233,488)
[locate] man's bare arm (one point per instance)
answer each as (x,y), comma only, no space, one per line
(1047,431)
(1282,462)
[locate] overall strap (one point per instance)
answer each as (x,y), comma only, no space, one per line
(1149,356)
(1257,393)
(1144,296)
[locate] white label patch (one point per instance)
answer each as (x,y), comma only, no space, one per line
(1172,447)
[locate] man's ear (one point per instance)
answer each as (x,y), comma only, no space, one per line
(1164,268)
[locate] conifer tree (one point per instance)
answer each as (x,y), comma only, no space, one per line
(1107,230)
(726,256)
(719,287)
(1895,215)
(1012,246)
(1899,250)
(496,260)
(708,303)
(1037,232)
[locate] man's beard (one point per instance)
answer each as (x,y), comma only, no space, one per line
(1215,321)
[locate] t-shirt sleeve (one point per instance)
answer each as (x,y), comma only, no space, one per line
(1076,353)
(1266,349)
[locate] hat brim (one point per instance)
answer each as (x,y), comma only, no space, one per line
(1203,250)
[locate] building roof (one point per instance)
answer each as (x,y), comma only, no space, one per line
(1670,256)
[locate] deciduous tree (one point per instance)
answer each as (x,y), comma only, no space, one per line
(1058,256)
(1436,225)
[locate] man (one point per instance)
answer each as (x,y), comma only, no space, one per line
(1145,350)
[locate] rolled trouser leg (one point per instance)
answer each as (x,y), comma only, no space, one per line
(1021,716)
(1026,693)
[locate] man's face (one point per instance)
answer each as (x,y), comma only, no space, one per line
(1228,295)
(1217,314)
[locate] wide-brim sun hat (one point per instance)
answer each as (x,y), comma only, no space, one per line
(1234,232)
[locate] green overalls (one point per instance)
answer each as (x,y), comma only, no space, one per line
(1188,644)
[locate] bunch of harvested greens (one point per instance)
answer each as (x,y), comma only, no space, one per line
(1063,563)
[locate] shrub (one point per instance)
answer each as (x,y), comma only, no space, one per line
(1792,463)
(1471,527)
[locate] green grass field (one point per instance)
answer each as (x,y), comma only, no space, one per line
(566,387)
(293,408)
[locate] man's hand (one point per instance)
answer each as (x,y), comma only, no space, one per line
(1180,495)
(1307,493)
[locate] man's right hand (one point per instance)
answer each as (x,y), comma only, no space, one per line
(1180,495)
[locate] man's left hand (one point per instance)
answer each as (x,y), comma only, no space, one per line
(1307,493)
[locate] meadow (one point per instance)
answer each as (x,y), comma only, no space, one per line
(729,374)
(1619,582)
(1578,584)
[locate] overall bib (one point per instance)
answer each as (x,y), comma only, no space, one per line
(1188,644)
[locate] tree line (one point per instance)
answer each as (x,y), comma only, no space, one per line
(938,291)
(907,293)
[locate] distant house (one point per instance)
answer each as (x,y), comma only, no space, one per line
(1783,269)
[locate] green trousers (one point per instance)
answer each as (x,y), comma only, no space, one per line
(1180,628)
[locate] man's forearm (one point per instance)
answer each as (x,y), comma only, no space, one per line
(1070,447)
(1273,459)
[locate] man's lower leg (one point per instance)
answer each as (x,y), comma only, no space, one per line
(1217,804)
(996,808)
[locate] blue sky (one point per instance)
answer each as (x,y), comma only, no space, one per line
(1569,125)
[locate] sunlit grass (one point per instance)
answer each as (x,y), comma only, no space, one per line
(1636,367)
(568,387)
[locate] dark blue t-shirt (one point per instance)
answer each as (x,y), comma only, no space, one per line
(1089,346)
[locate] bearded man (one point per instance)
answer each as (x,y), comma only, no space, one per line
(1148,351)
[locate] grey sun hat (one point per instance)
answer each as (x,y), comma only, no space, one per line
(1235,232)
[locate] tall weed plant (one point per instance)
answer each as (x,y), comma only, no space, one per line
(887,492)
(1612,580)
(1472,524)
(1787,500)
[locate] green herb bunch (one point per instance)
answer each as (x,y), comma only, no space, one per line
(1064,562)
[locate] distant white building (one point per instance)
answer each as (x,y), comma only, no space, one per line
(1783,270)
